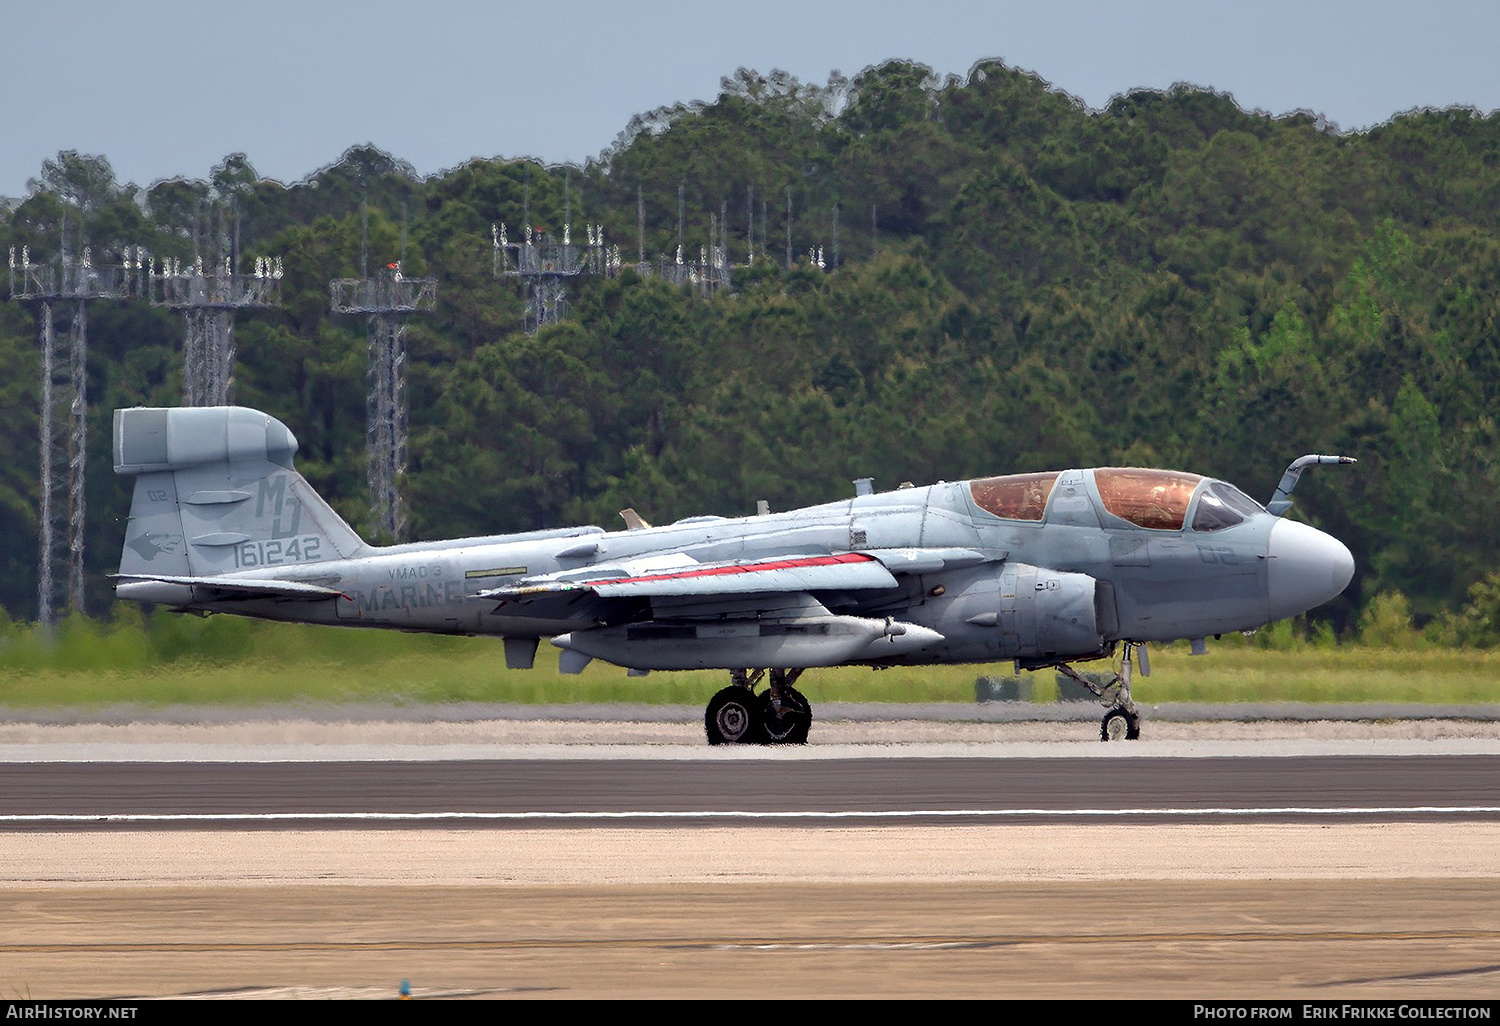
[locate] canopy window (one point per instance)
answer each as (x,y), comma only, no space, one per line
(1015,496)
(1155,499)
(1222,505)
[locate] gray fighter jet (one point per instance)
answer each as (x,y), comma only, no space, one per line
(1041,569)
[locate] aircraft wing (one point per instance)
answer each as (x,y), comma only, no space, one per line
(653,577)
(680,575)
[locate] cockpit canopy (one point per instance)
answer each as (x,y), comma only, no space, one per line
(1158,500)
(1016,496)
(1155,499)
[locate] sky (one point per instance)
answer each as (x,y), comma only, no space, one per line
(168,88)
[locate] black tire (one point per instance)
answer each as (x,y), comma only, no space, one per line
(733,717)
(1120,724)
(788,725)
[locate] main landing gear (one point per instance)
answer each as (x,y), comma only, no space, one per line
(1122,722)
(780,715)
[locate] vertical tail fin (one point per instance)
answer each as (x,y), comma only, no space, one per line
(216,492)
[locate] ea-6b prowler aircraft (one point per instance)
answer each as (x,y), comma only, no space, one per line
(1043,569)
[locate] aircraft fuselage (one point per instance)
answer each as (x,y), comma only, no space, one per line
(1156,584)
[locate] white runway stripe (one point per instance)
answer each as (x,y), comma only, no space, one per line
(428,817)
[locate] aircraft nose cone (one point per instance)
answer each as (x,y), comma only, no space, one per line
(1307,568)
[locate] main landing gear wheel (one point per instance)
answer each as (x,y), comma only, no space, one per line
(1120,725)
(733,717)
(785,723)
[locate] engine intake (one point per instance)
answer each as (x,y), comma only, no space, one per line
(1046,615)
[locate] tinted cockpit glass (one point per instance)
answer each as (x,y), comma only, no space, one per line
(1016,496)
(1223,505)
(1156,499)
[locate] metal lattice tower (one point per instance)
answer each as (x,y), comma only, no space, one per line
(706,275)
(544,267)
(65,288)
(208,299)
(388,300)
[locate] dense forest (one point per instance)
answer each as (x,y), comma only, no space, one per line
(984,277)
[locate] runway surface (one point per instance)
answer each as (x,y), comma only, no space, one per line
(609,858)
(771,789)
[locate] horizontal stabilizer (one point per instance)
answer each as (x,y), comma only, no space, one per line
(174,590)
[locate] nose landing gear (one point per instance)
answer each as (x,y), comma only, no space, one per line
(1123,721)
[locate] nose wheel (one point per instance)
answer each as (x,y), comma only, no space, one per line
(1120,725)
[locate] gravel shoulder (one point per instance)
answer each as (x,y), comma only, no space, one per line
(476,732)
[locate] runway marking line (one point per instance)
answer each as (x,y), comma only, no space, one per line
(407,817)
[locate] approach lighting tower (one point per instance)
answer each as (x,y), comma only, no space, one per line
(208,298)
(388,299)
(706,275)
(64,289)
(544,266)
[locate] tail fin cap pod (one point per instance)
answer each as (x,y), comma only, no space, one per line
(155,439)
